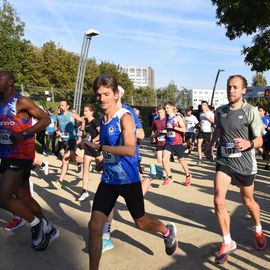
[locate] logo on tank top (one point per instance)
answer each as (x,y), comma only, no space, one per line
(111,130)
(240,116)
(224,115)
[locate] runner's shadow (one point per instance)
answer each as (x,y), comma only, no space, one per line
(126,238)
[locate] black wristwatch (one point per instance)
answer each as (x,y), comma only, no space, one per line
(100,147)
(251,145)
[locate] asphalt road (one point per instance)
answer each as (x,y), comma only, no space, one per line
(190,208)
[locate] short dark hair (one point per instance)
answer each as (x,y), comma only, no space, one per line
(9,75)
(204,101)
(107,80)
(160,107)
(188,109)
(261,107)
(90,107)
(243,79)
(168,103)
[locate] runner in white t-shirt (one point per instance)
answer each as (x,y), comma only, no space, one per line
(206,120)
(191,122)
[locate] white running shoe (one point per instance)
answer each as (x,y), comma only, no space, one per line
(45,168)
(83,196)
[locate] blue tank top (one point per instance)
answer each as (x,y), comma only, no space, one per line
(50,127)
(118,170)
(66,127)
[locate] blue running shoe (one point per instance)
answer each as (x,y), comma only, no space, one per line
(107,245)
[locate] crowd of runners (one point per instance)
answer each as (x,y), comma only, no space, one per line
(231,136)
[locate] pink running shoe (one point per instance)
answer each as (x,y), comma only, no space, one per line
(260,241)
(14,224)
(188,180)
(224,251)
(167,181)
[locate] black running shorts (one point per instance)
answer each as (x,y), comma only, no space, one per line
(14,164)
(107,194)
(177,149)
(237,179)
(206,136)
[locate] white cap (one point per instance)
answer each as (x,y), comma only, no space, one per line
(121,89)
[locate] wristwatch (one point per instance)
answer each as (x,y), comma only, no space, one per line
(251,145)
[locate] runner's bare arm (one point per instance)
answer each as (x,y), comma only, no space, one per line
(129,147)
(140,133)
(26,108)
(181,125)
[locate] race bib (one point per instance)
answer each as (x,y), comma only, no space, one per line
(161,138)
(109,158)
(64,136)
(229,151)
(171,134)
(5,137)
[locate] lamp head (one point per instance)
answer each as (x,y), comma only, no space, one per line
(91,33)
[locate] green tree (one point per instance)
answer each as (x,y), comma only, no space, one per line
(259,80)
(11,42)
(170,92)
(144,96)
(184,99)
(248,17)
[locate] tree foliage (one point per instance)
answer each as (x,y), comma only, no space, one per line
(259,80)
(11,44)
(248,17)
(50,66)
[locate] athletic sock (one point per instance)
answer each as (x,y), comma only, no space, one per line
(167,233)
(227,239)
(107,230)
(48,228)
(258,228)
(35,222)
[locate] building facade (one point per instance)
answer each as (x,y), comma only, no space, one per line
(197,95)
(140,76)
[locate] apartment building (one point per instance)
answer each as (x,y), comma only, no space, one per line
(140,76)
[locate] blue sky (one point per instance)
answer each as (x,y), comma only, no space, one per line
(178,39)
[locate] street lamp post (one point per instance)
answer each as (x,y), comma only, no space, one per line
(214,89)
(81,69)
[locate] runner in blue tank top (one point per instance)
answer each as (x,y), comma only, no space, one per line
(67,139)
(120,176)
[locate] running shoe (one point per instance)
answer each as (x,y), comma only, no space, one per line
(45,168)
(84,196)
(260,241)
(57,184)
(167,181)
(188,180)
(107,245)
(79,169)
(199,161)
(39,239)
(52,235)
(224,251)
(170,241)
(14,224)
